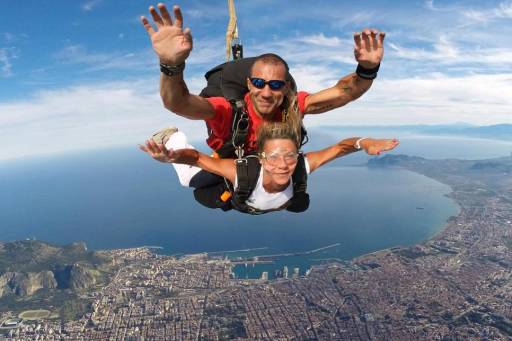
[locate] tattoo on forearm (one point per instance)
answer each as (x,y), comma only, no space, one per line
(350,88)
(347,84)
(321,108)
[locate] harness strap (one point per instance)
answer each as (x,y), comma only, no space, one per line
(243,190)
(247,173)
(240,127)
(300,176)
(239,131)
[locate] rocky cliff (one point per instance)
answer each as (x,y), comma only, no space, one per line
(27,266)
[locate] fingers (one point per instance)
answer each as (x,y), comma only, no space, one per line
(143,148)
(367,39)
(374,38)
(166,18)
(178,16)
(151,147)
(390,144)
(380,40)
(156,17)
(147,25)
(188,35)
(357,40)
(377,146)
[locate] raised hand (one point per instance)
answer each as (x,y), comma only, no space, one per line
(377,146)
(369,48)
(171,43)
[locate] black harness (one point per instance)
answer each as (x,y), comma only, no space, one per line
(228,80)
(234,145)
(248,172)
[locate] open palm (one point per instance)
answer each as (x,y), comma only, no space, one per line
(171,43)
(369,47)
(377,146)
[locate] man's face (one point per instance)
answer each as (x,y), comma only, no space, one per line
(267,101)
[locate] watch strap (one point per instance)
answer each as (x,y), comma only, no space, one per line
(172,70)
(367,73)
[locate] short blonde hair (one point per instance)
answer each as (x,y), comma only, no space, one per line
(277,130)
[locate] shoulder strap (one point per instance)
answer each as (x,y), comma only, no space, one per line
(240,126)
(300,200)
(300,176)
(239,131)
(247,173)
(303,134)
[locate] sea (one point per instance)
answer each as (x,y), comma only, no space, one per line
(120,198)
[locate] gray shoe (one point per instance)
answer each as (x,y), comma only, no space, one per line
(162,136)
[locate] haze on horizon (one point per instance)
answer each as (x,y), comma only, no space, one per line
(82,74)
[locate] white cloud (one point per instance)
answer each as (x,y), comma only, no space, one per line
(126,113)
(86,117)
(314,49)
(358,19)
(206,11)
(429,4)
(476,99)
(477,15)
(321,40)
(90,5)
(79,54)
(207,52)
(445,52)
(502,11)
(6,56)
(8,37)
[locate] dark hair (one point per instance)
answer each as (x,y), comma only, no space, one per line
(271,58)
(276,130)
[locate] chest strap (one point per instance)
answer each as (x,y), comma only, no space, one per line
(234,146)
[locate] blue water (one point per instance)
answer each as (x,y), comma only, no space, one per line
(121,198)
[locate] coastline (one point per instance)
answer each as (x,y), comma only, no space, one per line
(437,233)
(455,285)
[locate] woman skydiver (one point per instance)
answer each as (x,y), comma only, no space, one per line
(268,181)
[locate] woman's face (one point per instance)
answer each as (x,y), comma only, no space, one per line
(279,159)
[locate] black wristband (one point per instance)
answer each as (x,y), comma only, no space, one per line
(367,73)
(172,70)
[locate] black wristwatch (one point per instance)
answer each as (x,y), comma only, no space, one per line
(172,70)
(367,73)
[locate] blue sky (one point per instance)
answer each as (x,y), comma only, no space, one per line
(77,75)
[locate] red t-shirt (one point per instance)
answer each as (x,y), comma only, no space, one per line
(220,124)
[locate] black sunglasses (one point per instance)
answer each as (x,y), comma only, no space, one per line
(274,84)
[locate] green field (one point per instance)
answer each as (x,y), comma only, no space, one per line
(31,315)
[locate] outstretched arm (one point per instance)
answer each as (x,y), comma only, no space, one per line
(347,146)
(172,44)
(223,167)
(368,50)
